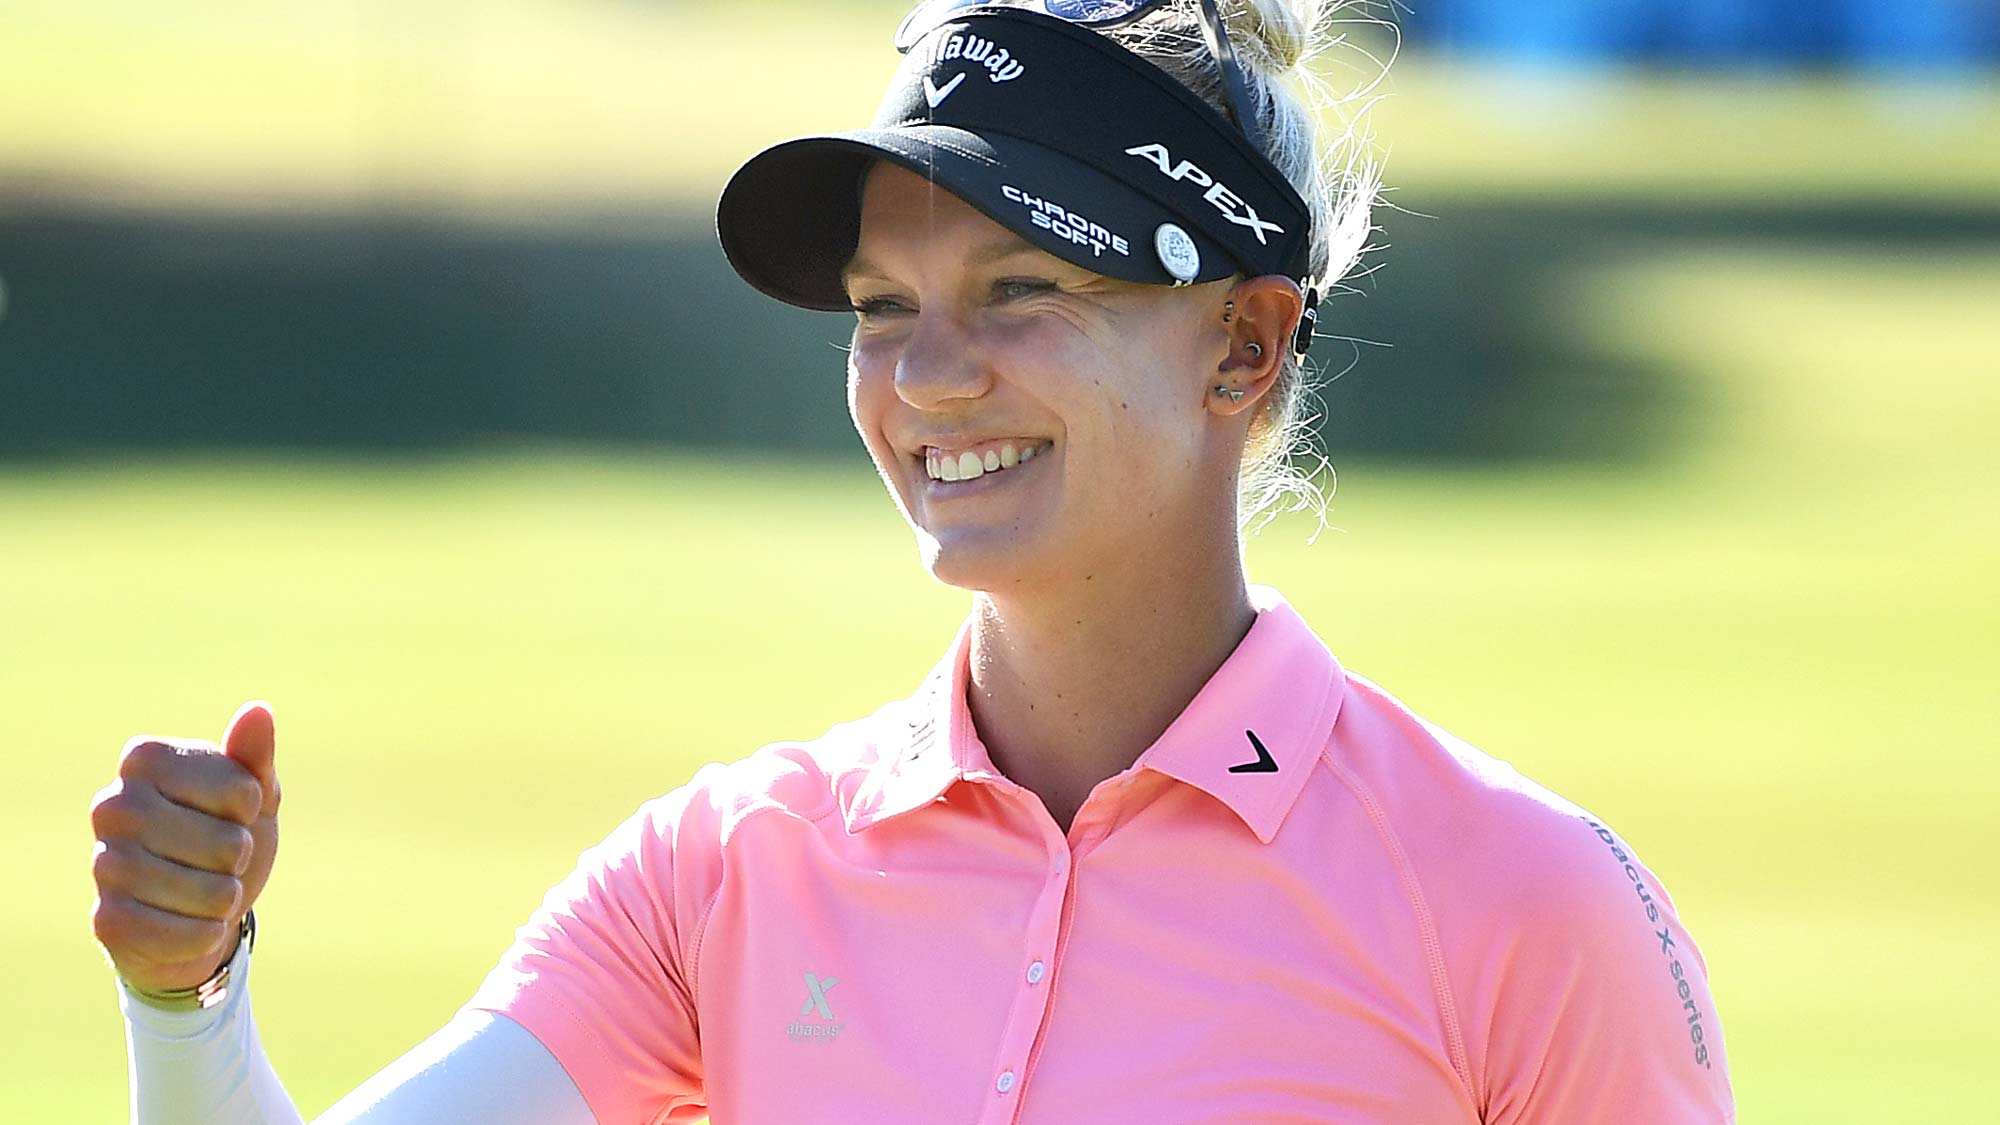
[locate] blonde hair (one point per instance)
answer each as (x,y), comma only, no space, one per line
(1277,42)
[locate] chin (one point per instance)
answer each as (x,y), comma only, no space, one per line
(979,561)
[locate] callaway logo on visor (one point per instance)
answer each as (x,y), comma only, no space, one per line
(996,61)
(925,18)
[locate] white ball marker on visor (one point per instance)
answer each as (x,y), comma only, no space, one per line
(1078,146)
(1177,252)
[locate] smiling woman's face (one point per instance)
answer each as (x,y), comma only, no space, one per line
(1034,421)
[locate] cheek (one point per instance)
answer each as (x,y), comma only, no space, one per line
(871,396)
(1152,423)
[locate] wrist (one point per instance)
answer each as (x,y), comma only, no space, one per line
(208,993)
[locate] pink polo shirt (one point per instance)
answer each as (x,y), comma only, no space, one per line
(1302,904)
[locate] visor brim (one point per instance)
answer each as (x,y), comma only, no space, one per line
(790,218)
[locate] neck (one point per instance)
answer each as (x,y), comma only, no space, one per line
(1071,685)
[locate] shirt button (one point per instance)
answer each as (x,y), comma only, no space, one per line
(1006,1082)
(1035,972)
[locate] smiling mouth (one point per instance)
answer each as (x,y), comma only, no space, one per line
(971,464)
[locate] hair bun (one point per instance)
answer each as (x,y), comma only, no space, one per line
(1274,35)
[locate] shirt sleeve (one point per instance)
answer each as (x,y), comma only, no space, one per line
(601,973)
(1597,1006)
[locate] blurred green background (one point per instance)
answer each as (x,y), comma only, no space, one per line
(375,359)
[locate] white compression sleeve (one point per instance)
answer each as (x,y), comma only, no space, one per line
(204,1067)
(480,1067)
(208,1068)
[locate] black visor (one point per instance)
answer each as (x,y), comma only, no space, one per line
(1082,148)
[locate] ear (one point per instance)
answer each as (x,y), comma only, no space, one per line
(1266,315)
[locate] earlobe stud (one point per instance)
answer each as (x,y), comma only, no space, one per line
(1235,395)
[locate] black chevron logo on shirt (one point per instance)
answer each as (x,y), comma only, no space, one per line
(1265,763)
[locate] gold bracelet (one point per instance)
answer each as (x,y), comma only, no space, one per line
(208,993)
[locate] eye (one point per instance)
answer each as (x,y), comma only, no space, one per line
(1017,288)
(876,306)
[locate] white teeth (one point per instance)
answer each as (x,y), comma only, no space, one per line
(971,466)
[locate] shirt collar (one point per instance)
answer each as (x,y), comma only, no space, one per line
(927,743)
(1279,690)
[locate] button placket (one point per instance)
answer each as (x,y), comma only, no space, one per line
(1029,1009)
(1039,969)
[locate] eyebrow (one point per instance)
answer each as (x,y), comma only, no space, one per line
(997,250)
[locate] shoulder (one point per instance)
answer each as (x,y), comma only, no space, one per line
(1476,830)
(1510,873)
(666,860)
(1563,955)
(806,780)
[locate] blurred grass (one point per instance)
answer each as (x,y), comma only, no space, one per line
(503,108)
(1769,662)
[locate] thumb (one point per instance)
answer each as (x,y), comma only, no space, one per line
(251,740)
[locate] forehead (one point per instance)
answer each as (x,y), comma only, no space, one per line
(908,223)
(889,185)
(901,210)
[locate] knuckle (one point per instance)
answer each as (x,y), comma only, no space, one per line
(203,934)
(109,811)
(112,922)
(108,868)
(237,848)
(103,922)
(217,896)
(141,754)
(247,798)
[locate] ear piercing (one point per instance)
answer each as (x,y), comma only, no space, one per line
(1235,394)
(1228,311)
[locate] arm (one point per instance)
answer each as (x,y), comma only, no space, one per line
(1603,1011)
(186,837)
(208,1067)
(202,1066)
(479,1067)
(599,973)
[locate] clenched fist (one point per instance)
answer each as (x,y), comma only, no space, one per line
(185,839)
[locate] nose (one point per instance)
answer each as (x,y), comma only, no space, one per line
(940,361)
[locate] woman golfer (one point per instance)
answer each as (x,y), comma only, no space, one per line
(1138,849)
